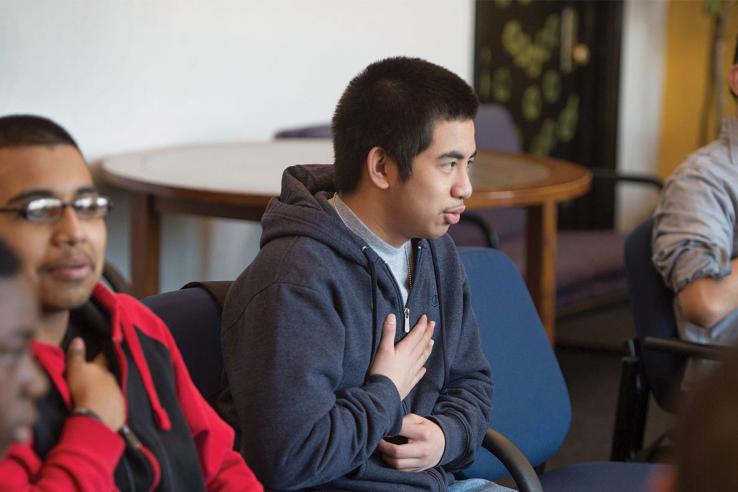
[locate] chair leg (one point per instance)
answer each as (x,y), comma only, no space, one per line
(632,408)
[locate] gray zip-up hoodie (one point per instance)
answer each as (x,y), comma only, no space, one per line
(301,326)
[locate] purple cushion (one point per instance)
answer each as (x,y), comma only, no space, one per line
(508,223)
(589,263)
(495,129)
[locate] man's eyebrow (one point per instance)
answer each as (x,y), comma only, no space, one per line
(31,194)
(44,193)
(85,189)
(455,154)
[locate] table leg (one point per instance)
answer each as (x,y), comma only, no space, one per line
(540,262)
(144,227)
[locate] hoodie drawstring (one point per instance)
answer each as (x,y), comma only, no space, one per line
(441,322)
(373,275)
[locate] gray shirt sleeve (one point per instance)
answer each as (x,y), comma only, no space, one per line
(694,224)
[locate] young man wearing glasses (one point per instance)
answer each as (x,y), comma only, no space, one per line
(122,412)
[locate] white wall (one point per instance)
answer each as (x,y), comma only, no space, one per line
(128,75)
(641,88)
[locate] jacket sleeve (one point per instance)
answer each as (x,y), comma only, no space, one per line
(693,228)
(283,356)
(223,468)
(84,459)
(464,409)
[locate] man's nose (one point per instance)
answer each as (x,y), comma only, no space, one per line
(463,187)
(69,228)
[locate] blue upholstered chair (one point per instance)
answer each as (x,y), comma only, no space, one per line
(115,280)
(656,356)
(193,315)
(589,263)
(531,401)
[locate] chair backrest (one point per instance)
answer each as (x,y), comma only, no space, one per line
(193,315)
(495,129)
(652,304)
(314,131)
(531,402)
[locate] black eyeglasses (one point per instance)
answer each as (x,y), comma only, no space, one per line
(49,210)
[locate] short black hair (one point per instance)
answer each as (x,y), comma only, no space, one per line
(394,104)
(25,130)
(707,432)
(735,53)
(9,263)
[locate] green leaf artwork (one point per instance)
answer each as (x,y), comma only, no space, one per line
(531,103)
(568,119)
(551,86)
(502,84)
(544,142)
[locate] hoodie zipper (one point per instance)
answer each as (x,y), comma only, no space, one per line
(406,306)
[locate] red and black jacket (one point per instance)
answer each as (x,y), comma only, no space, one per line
(184,445)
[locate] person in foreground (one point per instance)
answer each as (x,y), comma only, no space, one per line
(706,435)
(695,241)
(351,350)
(122,412)
(21,382)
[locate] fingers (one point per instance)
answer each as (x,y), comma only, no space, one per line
(76,352)
(419,329)
(420,348)
(421,332)
(388,332)
(405,457)
(398,451)
(405,464)
(413,428)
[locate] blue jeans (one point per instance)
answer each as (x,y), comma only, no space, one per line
(476,485)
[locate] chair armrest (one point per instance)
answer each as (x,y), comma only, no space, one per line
(115,279)
(610,175)
(490,235)
(517,464)
(683,347)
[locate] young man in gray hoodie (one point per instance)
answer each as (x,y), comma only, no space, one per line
(351,350)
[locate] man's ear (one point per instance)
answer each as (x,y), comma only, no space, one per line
(378,166)
(733,79)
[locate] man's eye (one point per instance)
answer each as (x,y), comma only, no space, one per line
(448,165)
(42,207)
(12,356)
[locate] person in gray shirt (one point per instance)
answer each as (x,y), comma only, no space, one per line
(695,241)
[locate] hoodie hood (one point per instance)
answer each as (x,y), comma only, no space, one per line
(53,358)
(302,209)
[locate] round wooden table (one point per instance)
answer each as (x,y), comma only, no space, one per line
(237,180)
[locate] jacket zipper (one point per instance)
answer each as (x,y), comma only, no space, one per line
(406,311)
